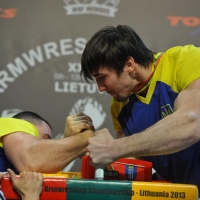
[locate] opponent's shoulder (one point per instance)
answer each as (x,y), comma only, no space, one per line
(11,125)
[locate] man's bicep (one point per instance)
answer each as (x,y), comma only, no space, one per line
(189,97)
(15,147)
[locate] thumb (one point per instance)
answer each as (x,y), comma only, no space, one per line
(12,175)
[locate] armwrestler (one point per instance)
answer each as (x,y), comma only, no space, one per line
(25,143)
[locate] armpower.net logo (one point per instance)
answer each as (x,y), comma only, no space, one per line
(8,13)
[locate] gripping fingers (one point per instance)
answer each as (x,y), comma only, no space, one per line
(83,116)
(77,123)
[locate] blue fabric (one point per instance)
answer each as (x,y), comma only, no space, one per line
(136,116)
(2,196)
(5,163)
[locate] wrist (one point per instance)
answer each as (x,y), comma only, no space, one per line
(115,149)
(118,148)
(88,133)
(31,197)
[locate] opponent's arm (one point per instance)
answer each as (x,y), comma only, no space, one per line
(171,134)
(28,153)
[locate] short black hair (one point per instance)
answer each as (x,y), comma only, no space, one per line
(31,117)
(111,47)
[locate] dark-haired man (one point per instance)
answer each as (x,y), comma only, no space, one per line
(155,102)
(24,146)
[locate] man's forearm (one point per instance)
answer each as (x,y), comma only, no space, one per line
(51,156)
(169,135)
(56,154)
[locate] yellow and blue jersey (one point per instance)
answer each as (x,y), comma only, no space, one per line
(173,73)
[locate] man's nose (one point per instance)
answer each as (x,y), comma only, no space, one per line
(101,87)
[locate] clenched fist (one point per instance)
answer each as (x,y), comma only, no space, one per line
(78,123)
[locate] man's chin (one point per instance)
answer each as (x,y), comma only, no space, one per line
(120,99)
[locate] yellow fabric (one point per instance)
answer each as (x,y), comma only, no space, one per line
(115,110)
(12,125)
(174,69)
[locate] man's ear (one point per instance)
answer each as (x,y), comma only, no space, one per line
(130,64)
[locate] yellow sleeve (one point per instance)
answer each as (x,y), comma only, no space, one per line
(188,71)
(11,125)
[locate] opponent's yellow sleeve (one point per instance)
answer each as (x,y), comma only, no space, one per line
(12,125)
